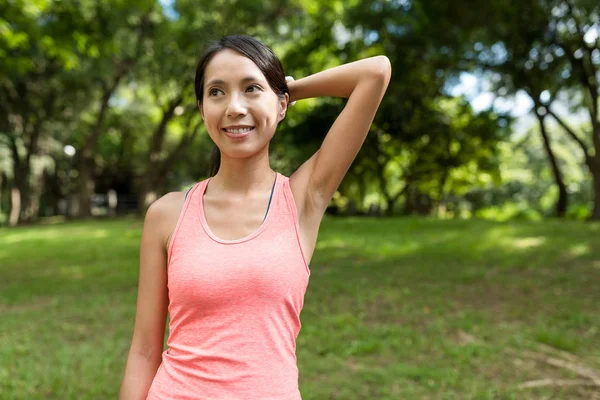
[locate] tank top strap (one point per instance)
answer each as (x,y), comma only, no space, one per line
(287,206)
(188,205)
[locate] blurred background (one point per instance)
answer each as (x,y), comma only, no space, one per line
(477,275)
(492,110)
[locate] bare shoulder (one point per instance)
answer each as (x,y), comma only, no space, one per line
(163,214)
(168,204)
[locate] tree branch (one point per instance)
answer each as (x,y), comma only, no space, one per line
(557,382)
(185,141)
(159,133)
(571,133)
(12,141)
(588,77)
(395,198)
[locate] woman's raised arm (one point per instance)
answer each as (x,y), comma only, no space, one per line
(363,83)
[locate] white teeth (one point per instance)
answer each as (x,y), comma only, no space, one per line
(238,131)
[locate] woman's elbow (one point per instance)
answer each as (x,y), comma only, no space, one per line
(382,68)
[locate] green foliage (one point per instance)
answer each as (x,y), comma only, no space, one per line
(527,187)
(61,61)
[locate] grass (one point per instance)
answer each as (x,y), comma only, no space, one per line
(395,309)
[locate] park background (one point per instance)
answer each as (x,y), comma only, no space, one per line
(458,259)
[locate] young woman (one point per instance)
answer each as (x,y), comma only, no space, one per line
(229,259)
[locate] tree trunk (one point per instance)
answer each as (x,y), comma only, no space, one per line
(149,191)
(586,70)
(561,204)
(87,164)
(33,206)
(158,137)
(441,206)
(1,190)
(362,188)
(19,190)
(15,206)
(85,189)
(390,202)
(595,170)
(155,180)
(22,182)
(408,203)
(596,182)
(591,161)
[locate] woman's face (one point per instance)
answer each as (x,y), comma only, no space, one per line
(240,110)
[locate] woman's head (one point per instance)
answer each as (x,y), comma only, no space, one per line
(242,93)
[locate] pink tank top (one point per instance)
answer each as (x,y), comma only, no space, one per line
(234,307)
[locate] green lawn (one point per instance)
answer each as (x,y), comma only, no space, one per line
(395,309)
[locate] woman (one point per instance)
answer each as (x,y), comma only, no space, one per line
(229,259)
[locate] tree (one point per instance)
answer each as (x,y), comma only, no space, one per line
(414,141)
(556,45)
(120,32)
(38,63)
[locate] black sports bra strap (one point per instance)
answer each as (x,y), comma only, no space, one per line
(270,198)
(268,206)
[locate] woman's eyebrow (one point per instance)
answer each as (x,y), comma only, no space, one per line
(222,82)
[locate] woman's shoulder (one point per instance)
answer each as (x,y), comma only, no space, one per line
(170,203)
(164,213)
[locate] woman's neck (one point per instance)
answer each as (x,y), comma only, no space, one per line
(244,175)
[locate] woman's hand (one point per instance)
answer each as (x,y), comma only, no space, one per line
(290,80)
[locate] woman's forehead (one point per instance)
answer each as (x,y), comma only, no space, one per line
(230,66)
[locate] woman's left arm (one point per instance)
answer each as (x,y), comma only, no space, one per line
(363,83)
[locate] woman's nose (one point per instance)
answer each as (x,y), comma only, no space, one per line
(236,106)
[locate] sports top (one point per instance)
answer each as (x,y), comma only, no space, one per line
(234,306)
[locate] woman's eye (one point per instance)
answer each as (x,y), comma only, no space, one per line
(253,88)
(213,92)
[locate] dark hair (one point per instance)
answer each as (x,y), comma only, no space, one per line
(264,58)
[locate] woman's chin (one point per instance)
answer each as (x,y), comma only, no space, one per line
(240,151)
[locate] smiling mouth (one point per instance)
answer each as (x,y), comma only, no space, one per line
(238,131)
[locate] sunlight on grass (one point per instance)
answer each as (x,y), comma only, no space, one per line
(579,250)
(529,242)
(99,234)
(57,233)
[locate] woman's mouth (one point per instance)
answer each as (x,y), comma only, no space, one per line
(238,132)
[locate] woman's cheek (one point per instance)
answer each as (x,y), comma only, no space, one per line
(212,122)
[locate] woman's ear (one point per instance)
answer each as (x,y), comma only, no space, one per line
(283,104)
(201,110)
